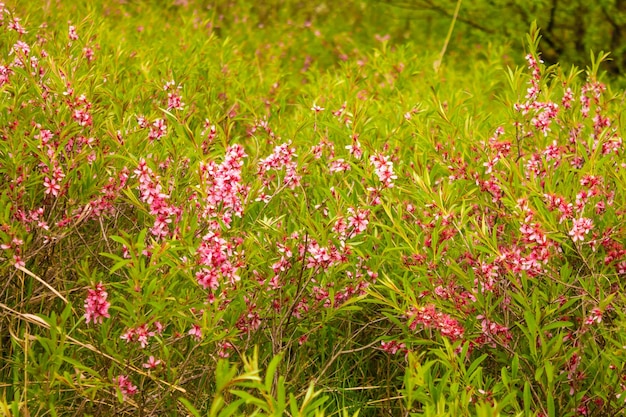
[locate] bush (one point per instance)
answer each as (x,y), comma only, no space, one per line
(192,191)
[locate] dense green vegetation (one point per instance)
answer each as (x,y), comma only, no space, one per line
(305,209)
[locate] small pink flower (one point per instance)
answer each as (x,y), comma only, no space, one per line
(152,363)
(159,327)
(196,332)
(594,317)
(16,26)
(96,304)
(224,349)
(72,33)
(129,335)
(125,386)
(174,101)
(158,129)
(384,169)
(18,262)
(51,186)
(581,227)
(392,347)
(89,55)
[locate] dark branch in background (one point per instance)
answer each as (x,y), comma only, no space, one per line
(546,34)
(552,14)
(429,6)
(617,36)
(565,29)
(460,18)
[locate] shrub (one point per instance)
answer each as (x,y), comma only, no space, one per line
(189,193)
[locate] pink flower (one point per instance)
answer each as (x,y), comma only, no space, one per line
(196,332)
(392,347)
(317,108)
(358,220)
(89,54)
(16,26)
(355,149)
(384,169)
(21,47)
(152,363)
(224,348)
(51,186)
(96,304)
(581,227)
(174,101)
(430,318)
(594,317)
(158,129)
(72,33)
(125,386)
(18,262)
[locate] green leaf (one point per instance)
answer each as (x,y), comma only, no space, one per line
(271,370)
(189,406)
(527,399)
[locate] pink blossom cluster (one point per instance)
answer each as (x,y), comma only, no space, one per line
(283,156)
(358,219)
(429,318)
(15,246)
(265,126)
(5,74)
(125,386)
(224,348)
(359,281)
(209,133)
(150,192)
(555,202)
(535,78)
(342,115)
(537,247)
(595,316)
(109,193)
(355,148)
(89,54)
(324,144)
(174,100)
(81,108)
(339,165)
(72,33)
(493,334)
(356,223)
(223,187)
(543,114)
(591,92)
(31,219)
(321,256)
(392,347)
(15,25)
(142,334)
(195,332)
(54,174)
(250,320)
(580,228)
(568,98)
(96,304)
(217,258)
(384,169)
(158,129)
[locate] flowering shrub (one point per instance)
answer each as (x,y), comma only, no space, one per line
(176,219)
